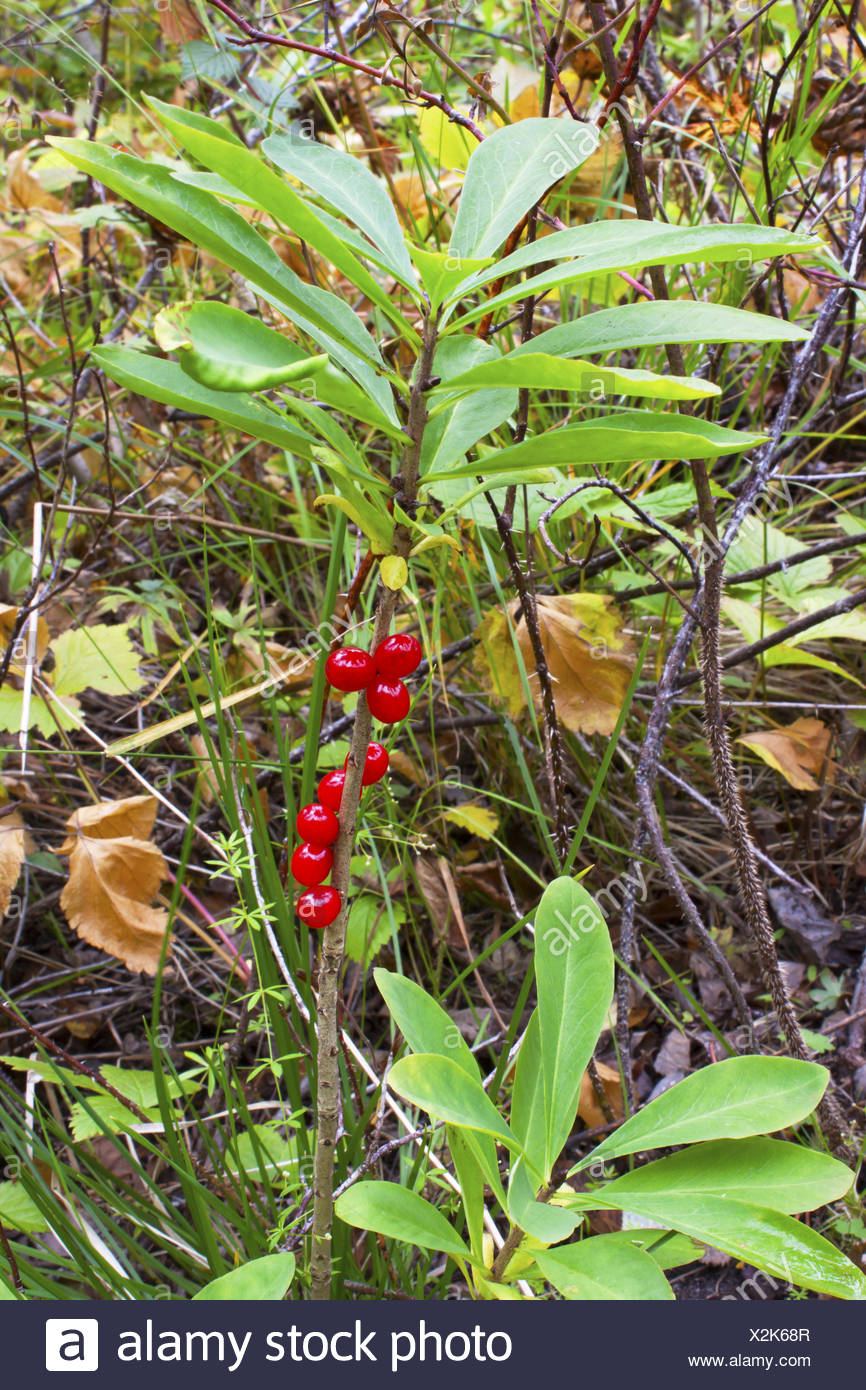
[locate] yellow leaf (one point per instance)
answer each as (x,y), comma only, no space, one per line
(114,873)
(12,847)
(447,143)
(477,819)
(394,571)
(8,618)
(100,657)
(589,657)
(798,751)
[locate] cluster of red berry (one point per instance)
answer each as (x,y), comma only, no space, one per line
(350,669)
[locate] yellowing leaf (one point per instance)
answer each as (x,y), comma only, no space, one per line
(447,143)
(588,654)
(477,819)
(12,834)
(394,572)
(798,751)
(101,658)
(114,873)
(8,617)
(47,719)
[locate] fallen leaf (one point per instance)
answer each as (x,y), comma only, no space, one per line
(114,873)
(12,847)
(798,751)
(588,654)
(588,1107)
(477,819)
(179,21)
(100,657)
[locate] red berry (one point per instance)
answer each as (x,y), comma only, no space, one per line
(311,864)
(388,700)
(318,907)
(317,824)
(349,669)
(331,791)
(375,764)
(397,656)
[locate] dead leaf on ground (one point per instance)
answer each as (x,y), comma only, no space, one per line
(179,21)
(798,751)
(12,849)
(588,1107)
(114,874)
(589,656)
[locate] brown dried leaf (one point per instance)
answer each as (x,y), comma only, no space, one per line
(179,21)
(798,751)
(114,873)
(588,1107)
(12,848)
(588,653)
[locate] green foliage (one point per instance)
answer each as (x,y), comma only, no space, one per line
(727,1189)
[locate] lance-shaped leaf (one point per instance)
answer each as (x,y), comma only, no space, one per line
(168,383)
(220,150)
(574,975)
(440,1086)
(509,172)
(767,1239)
(265,1279)
(206,222)
(457,424)
(630,436)
(733,1099)
(540,371)
(346,183)
(633,241)
(656,323)
(225,349)
(766,1172)
(400,1214)
(603,1268)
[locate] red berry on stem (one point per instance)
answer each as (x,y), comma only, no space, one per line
(319,907)
(317,824)
(349,668)
(397,656)
(311,864)
(388,701)
(375,764)
(331,791)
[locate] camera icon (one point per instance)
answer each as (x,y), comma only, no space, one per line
(71,1344)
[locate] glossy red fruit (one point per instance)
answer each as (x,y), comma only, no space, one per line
(388,701)
(331,791)
(349,669)
(317,824)
(397,656)
(311,864)
(319,907)
(375,764)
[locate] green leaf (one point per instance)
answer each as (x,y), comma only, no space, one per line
(206,222)
(672,1248)
(509,172)
(346,183)
(262,1148)
(100,657)
(441,271)
(459,423)
(733,1099)
(443,1088)
(427,1029)
(527,1099)
(656,323)
(401,1214)
(108,1114)
(769,1240)
(629,246)
(227,350)
(265,1280)
(18,1211)
(166,382)
(424,1024)
(767,1172)
(220,150)
(617,245)
(548,1224)
(574,977)
(369,927)
(629,436)
(140,1086)
(539,371)
(470,1176)
(602,1268)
